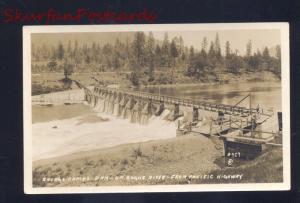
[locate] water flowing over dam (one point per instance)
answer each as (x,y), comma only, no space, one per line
(132,108)
(137,116)
(191,116)
(138,107)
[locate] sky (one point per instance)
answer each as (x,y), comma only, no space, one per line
(237,38)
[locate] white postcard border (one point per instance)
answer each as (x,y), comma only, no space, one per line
(27,114)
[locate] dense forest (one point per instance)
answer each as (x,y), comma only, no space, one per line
(144,57)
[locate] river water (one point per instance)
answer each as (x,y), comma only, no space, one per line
(266,95)
(63,129)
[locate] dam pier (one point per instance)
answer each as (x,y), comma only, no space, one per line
(148,103)
(238,127)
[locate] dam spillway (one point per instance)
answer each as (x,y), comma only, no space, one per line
(138,107)
(191,116)
(196,104)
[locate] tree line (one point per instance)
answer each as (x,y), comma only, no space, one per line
(143,55)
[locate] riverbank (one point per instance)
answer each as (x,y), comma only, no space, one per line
(184,155)
(225,78)
(52,82)
(182,160)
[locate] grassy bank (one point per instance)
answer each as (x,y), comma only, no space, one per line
(266,168)
(176,157)
(184,155)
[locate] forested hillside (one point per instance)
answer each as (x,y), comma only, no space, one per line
(150,61)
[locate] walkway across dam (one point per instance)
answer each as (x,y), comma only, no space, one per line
(118,94)
(238,127)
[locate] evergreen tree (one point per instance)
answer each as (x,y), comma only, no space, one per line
(253,62)
(227,49)
(87,59)
(203,53)
(204,44)
(158,56)
(278,64)
(278,52)
(217,47)
(266,59)
(191,54)
(181,46)
(134,75)
(259,59)
(197,66)
(174,55)
(68,69)
(75,49)
(150,47)
(127,49)
(138,47)
(69,49)
(53,55)
(211,52)
(165,49)
(116,61)
(266,54)
(249,49)
(94,46)
(60,51)
(150,50)
(236,64)
(250,62)
(44,52)
(173,51)
(116,55)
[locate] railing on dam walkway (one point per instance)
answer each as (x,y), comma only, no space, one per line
(226,109)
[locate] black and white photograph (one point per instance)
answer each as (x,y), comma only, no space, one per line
(156,108)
